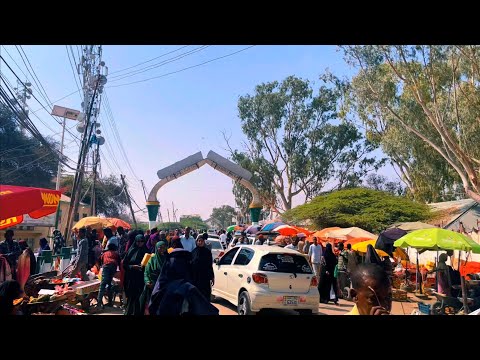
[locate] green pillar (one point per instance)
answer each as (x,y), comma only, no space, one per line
(152,207)
(255,214)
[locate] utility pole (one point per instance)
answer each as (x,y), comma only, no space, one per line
(94,74)
(96,159)
(128,199)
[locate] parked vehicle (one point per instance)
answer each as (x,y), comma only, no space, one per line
(255,277)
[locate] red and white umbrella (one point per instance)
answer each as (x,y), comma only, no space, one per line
(16,201)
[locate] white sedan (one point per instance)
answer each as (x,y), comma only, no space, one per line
(255,277)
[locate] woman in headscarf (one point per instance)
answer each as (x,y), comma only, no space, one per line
(152,241)
(58,242)
(131,240)
(133,282)
(43,246)
(327,279)
(444,281)
(26,264)
(177,267)
(10,290)
(202,268)
(152,272)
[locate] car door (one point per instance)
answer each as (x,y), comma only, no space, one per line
(221,270)
(239,272)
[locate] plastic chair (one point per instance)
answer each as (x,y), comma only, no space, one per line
(46,261)
(65,257)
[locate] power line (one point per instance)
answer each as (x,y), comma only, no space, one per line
(162,63)
(144,62)
(25,120)
(35,74)
(73,71)
(184,69)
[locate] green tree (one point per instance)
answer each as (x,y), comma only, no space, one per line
(368,209)
(24,161)
(109,195)
(169,225)
(423,104)
(264,185)
(193,222)
(381,183)
(223,215)
(296,143)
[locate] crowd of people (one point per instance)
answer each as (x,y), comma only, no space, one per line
(178,276)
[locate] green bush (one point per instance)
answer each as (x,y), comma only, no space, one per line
(368,209)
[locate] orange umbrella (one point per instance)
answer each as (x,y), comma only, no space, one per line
(15,201)
(322,233)
(286,230)
(119,222)
(302,230)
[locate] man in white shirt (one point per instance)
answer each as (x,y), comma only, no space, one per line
(315,257)
(223,239)
(187,241)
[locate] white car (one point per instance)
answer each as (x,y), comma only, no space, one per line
(215,247)
(212,232)
(255,277)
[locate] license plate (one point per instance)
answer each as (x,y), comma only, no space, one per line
(290,300)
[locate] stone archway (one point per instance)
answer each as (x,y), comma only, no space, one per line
(194,162)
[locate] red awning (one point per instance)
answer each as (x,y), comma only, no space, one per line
(15,201)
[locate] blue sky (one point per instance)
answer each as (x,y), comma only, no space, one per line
(164,120)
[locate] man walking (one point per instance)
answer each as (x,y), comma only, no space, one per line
(315,257)
(187,241)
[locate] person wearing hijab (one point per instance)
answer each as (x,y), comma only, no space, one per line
(26,263)
(152,272)
(133,281)
(202,268)
(444,281)
(58,242)
(177,267)
(327,279)
(152,241)
(10,290)
(28,252)
(43,246)
(131,240)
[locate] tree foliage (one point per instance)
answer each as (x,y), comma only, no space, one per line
(368,209)
(381,183)
(193,222)
(422,104)
(295,142)
(24,161)
(223,215)
(264,184)
(110,198)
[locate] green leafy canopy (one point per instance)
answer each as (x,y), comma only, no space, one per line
(368,209)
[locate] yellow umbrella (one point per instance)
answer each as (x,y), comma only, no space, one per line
(362,247)
(93,221)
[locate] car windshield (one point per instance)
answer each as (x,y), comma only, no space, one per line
(285,263)
(215,244)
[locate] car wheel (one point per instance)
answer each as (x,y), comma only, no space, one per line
(243,307)
(307,312)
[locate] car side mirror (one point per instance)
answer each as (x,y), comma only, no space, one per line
(216,260)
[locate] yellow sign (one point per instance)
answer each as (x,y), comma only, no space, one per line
(50,199)
(5,223)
